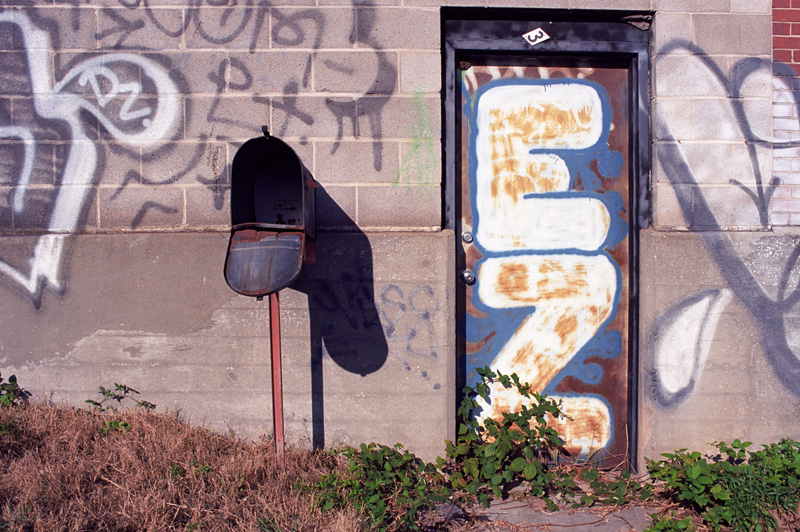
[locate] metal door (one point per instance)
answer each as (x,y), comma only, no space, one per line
(547,157)
(544,232)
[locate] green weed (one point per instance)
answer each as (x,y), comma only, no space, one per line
(389,484)
(495,455)
(114,425)
(670,523)
(738,488)
(120,393)
(11,394)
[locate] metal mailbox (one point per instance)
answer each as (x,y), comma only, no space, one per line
(272,216)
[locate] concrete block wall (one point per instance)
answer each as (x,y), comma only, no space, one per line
(717,356)
(118,124)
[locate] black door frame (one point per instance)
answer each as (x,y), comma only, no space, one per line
(590,36)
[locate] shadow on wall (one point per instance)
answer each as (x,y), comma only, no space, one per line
(344,319)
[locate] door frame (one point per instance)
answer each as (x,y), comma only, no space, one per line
(582,36)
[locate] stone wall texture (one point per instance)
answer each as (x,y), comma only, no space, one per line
(118,124)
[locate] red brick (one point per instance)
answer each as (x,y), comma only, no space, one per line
(784,56)
(795,56)
(795,28)
(781,28)
(786,15)
(782,3)
(786,43)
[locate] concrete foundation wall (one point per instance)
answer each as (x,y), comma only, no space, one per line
(114,212)
(368,339)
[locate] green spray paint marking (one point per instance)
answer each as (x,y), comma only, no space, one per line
(419,164)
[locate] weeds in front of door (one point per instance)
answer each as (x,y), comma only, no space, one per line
(117,468)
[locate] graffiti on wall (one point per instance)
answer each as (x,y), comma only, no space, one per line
(101,86)
(544,219)
(136,98)
(678,359)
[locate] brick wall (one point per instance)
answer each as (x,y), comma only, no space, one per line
(786,125)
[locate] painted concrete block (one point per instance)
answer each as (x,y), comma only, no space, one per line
(400,115)
(366,3)
(76,29)
(6,193)
(667,210)
(671,26)
(751,6)
(124,29)
(678,74)
(416,28)
(420,162)
(364,72)
(306,116)
(185,162)
(318,28)
(229,27)
(614,4)
(13,167)
(208,206)
(739,346)
(703,6)
(206,72)
(357,162)
(391,206)
(281,72)
(38,208)
(23,113)
(239,117)
(734,34)
(716,119)
(420,72)
(730,208)
(141,207)
(336,207)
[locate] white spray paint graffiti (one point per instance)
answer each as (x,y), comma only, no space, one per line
(543,241)
(55,102)
(683,342)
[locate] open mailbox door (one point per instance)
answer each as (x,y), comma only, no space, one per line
(272,215)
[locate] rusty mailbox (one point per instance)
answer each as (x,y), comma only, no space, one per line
(272,215)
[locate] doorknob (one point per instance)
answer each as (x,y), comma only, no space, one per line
(468,277)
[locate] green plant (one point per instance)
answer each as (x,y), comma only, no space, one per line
(120,393)
(114,425)
(177,471)
(616,491)
(670,523)
(737,488)
(199,469)
(494,455)
(388,485)
(10,392)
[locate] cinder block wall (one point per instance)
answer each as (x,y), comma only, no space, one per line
(119,122)
(718,321)
(118,127)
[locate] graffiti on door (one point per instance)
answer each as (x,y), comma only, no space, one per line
(547,190)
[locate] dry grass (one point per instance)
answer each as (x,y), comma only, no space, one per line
(61,471)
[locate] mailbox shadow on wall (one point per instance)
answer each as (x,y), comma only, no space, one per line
(344,320)
(270,190)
